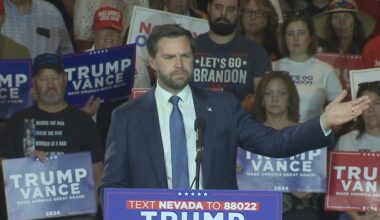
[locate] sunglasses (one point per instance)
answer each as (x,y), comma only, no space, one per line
(367,84)
(256,13)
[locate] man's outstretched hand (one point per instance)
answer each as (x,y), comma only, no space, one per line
(338,112)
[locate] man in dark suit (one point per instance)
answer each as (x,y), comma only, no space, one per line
(140,138)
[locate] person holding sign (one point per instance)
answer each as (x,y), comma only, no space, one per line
(51,127)
(107,32)
(151,141)
(277,106)
(365,137)
(10,49)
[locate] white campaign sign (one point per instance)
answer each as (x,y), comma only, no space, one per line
(142,22)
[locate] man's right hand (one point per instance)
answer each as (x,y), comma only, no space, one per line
(39,154)
(92,105)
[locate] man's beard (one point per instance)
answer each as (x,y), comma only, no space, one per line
(222,26)
(49,99)
(177,85)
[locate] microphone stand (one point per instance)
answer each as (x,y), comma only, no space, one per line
(199,126)
(198,161)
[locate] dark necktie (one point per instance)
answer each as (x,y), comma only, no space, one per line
(180,172)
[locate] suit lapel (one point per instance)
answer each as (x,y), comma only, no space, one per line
(204,110)
(151,130)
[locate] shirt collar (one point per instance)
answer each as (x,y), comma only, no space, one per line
(163,96)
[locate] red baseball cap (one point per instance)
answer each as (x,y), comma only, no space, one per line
(1,7)
(108,17)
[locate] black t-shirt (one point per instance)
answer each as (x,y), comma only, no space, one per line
(68,131)
(231,66)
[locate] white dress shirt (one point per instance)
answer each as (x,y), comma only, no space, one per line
(186,106)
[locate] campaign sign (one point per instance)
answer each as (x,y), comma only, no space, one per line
(305,172)
(353,181)
(60,186)
(15,83)
(363,75)
(142,23)
(342,64)
(105,73)
(163,204)
(137,92)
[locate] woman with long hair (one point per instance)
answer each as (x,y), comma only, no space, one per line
(365,136)
(276,105)
(316,81)
(258,22)
(343,28)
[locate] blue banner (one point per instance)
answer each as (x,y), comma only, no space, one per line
(305,172)
(105,73)
(15,83)
(60,186)
(163,204)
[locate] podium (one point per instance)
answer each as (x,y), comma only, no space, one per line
(164,204)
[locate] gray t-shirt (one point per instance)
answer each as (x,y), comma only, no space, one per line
(366,142)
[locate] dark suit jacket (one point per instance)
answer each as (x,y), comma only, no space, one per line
(135,157)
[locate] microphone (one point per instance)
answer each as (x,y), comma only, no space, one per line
(199,127)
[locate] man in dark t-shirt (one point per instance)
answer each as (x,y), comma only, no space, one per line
(224,59)
(51,127)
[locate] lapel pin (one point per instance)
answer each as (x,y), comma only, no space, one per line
(209,109)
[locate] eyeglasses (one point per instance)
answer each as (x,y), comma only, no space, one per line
(257,13)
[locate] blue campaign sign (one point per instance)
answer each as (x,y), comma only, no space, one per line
(164,204)
(105,73)
(305,172)
(15,83)
(60,186)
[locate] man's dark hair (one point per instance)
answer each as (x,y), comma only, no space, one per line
(259,112)
(365,87)
(167,31)
(358,37)
(305,18)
